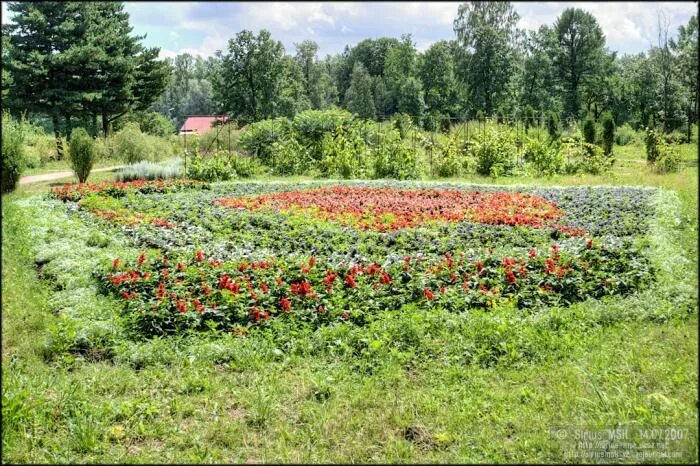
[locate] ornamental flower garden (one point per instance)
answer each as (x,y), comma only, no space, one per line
(232,257)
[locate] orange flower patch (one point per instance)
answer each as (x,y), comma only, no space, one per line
(386,209)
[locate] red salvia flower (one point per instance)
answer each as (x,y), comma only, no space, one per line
(285,304)
(350,281)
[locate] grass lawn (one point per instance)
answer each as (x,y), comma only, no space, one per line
(633,364)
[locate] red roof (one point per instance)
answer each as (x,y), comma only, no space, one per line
(200,124)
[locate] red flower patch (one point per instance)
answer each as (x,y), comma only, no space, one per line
(383,209)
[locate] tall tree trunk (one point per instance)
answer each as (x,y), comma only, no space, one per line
(94,125)
(105,125)
(69,126)
(57,135)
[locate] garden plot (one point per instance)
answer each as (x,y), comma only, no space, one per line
(235,256)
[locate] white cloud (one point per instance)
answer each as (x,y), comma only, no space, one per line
(628,26)
(204,27)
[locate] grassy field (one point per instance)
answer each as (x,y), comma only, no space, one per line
(265,405)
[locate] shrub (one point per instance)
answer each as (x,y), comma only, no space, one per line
(130,144)
(393,158)
(288,157)
(581,156)
(156,124)
(245,166)
(589,130)
(675,137)
(625,135)
(214,167)
(529,118)
(345,155)
(501,116)
(219,138)
(258,138)
(651,140)
(151,171)
(12,152)
(544,158)
(311,125)
(668,160)
(495,153)
(403,123)
(448,160)
(608,133)
(553,125)
(431,121)
(82,153)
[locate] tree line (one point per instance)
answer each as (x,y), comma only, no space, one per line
(77,63)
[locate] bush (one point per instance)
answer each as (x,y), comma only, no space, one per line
(651,140)
(449,155)
(151,171)
(583,157)
(215,167)
(131,145)
(245,166)
(82,153)
(431,121)
(402,123)
(288,157)
(393,158)
(221,166)
(156,124)
(608,133)
(625,135)
(675,137)
(544,158)
(529,118)
(12,152)
(345,155)
(495,153)
(589,130)
(310,126)
(668,160)
(258,138)
(553,125)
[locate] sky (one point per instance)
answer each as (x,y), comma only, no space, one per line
(204,27)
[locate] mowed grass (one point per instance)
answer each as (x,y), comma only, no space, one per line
(301,409)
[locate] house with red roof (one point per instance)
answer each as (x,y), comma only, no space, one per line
(200,123)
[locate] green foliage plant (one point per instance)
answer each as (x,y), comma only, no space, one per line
(82,153)
(12,152)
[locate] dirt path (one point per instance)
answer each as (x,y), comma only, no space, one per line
(58,175)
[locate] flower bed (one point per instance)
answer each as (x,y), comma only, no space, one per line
(169,296)
(384,209)
(238,255)
(77,191)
